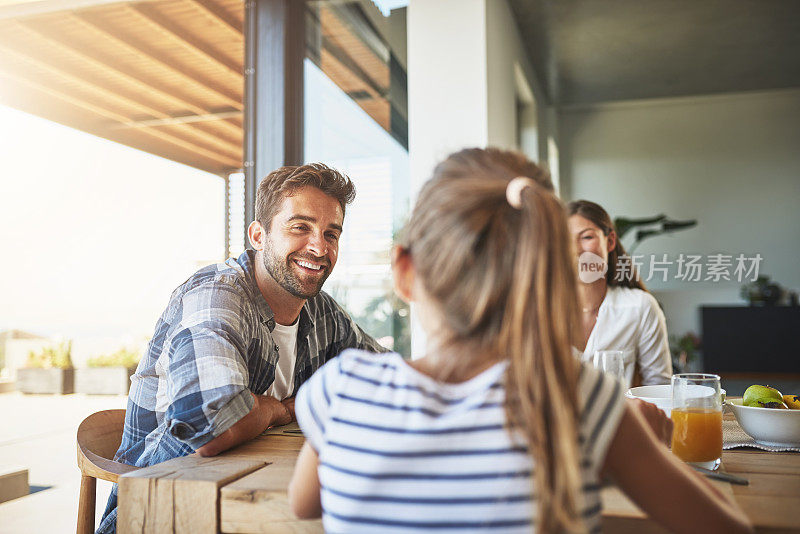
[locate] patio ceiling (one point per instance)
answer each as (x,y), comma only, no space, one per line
(161,76)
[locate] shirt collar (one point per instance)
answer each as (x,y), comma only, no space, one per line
(247,262)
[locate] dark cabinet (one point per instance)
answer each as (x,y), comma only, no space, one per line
(751,339)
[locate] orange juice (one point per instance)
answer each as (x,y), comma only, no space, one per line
(697,434)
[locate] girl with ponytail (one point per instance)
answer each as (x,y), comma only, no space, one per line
(498,428)
(617,312)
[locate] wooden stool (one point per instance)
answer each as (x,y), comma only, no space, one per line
(99,436)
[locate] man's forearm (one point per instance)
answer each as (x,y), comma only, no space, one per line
(266,412)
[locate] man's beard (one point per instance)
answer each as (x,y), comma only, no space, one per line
(282,272)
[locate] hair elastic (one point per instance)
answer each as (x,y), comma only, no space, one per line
(514,190)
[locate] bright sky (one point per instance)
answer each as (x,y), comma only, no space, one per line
(95,235)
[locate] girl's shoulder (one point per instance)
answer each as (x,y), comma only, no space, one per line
(352,360)
(388,375)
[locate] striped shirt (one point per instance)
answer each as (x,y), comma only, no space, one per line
(212,347)
(402,452)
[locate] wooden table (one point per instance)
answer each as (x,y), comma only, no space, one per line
(244,490)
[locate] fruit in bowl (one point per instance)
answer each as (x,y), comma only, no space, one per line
(758,396)
(769,417)
(792,401)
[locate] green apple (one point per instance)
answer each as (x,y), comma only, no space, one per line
(763,397)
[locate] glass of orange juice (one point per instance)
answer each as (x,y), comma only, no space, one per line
(697,419)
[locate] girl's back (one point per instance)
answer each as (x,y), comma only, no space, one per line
(401,451)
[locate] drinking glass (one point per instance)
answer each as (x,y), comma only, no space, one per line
(610,361)
(697,419)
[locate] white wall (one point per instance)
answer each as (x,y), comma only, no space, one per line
(732,162)
(447,89)
(462,86)
(462,89)
(505,52)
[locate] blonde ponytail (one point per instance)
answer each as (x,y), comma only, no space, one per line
(504,279)
(541,385)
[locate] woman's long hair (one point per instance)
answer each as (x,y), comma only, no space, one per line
(619,274)
(504,280)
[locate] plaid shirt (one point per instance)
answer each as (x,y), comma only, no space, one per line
(212,346)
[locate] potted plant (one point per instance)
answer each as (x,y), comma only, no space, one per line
(108,374)
(685,351)
(649,227)
(761,292)
(48,371)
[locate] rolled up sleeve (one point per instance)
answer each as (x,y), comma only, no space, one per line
(206,372)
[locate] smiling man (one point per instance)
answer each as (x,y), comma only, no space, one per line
(237,339)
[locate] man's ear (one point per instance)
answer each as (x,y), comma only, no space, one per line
(403,271)
(256,235)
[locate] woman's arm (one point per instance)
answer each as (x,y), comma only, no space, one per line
(664,487)
(304,487)
(655,361)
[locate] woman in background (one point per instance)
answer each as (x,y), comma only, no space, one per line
(617,312)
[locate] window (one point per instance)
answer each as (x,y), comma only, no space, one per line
(355,119)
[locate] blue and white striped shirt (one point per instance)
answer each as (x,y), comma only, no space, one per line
(400,451)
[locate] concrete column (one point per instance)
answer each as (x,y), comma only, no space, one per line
(470,83)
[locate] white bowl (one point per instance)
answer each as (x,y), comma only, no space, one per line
(768,426)
(661,395)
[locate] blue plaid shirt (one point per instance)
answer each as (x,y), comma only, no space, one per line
(213,346)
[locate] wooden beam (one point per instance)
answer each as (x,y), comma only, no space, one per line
(184,38)
(344,59)
(353,18)
(217,13)
(152,54)
(30,8)
(106,93)
(184,119)
(114,116)
(89,57)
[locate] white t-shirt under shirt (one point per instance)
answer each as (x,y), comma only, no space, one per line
(402,452)
(286,339)
(630,320)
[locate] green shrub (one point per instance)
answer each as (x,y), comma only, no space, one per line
(58,356)
(121,358)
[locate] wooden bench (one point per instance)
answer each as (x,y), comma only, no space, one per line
(13,483)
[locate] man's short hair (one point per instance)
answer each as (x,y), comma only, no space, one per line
(283,182)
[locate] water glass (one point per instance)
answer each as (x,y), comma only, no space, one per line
(610,361)
(697,419)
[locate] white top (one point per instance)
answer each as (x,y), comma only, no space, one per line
(286,339)
(630,320)
(402,452)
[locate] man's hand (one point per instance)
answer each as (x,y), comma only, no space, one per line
(280,414)
(289,405)
(656,419)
